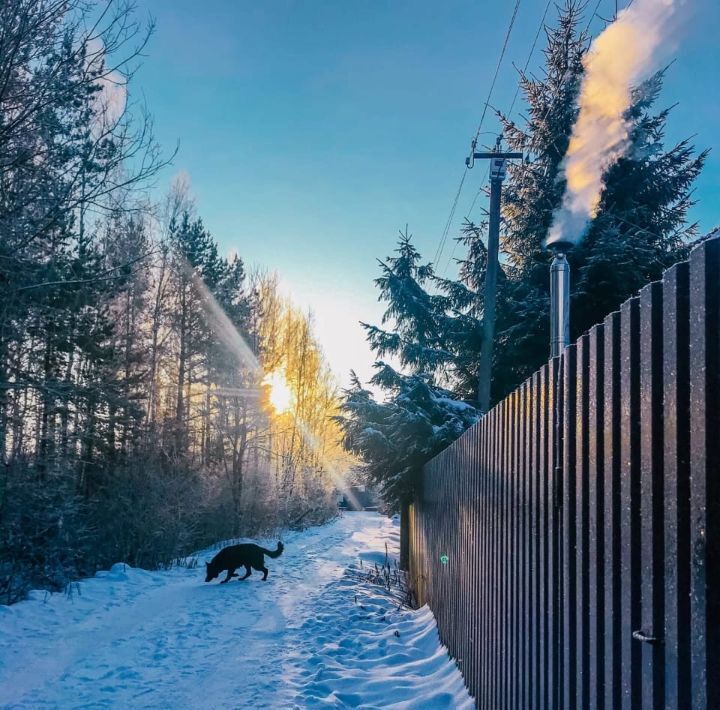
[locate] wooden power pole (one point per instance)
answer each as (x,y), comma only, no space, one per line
(497,175)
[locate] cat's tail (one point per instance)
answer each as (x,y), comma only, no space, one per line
(274,553)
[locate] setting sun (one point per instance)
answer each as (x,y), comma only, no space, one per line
(280,392)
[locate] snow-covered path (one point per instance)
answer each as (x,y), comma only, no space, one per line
(131,638)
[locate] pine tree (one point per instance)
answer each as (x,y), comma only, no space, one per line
(195,261)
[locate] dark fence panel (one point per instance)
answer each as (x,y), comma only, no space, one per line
(676,481)
(705,474)
(569,543)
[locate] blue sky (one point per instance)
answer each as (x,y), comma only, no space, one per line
(313,131)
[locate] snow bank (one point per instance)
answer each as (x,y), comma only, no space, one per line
(363,650)
(313,635)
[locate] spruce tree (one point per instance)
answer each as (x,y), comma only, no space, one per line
(641,227)
(396,437)
(639,230)
(464,300)
(417,317)
(532,193)
(424,332)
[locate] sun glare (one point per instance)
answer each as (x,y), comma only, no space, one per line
(280,392)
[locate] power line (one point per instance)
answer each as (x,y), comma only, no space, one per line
(563,78)
(477,194)
(512,105)
(517,91)
(446,230)
(530,54)
(497,68)
(448,224)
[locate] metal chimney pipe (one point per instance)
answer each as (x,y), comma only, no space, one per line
(559,299)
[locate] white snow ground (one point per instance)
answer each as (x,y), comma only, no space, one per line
(311,636)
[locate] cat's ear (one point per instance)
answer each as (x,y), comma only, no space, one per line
(207,564)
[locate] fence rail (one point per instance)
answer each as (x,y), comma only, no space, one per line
(569,542)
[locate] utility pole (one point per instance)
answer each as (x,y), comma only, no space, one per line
(497,175)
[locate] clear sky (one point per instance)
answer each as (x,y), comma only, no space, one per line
(313,131)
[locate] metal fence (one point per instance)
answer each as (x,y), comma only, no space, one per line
(569,543)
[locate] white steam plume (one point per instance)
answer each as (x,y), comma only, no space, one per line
(623,55)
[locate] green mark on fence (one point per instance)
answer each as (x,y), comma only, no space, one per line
(444,559)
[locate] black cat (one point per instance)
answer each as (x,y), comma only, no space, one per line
(247,556)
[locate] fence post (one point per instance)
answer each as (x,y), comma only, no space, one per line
(704,479)
(405,536)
